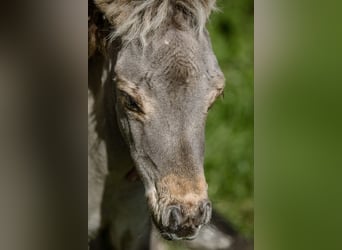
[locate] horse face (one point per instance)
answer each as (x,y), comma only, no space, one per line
(163,93)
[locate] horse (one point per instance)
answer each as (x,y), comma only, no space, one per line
(153,77)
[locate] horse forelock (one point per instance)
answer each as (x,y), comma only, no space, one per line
(141,19)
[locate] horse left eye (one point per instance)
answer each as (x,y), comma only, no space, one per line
(215,97)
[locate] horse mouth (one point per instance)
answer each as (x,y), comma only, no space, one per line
(178,225)
(174,237)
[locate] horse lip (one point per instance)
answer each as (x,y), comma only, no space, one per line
(171,236)
(191,237)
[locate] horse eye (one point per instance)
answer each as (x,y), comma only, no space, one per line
(211,105)
(131,104)
(219,94)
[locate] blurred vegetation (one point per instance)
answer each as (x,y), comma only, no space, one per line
(229,132)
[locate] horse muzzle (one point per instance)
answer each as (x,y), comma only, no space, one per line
(183,221)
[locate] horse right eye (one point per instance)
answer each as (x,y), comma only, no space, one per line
(131,104)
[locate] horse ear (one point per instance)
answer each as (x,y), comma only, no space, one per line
(108,8)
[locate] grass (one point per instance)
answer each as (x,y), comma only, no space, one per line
(229,133)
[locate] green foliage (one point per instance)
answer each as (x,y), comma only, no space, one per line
(229,133)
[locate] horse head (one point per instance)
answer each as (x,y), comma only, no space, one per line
(164,79)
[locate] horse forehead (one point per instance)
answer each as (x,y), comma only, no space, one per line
(177,60)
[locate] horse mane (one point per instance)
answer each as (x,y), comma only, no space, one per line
(140,19)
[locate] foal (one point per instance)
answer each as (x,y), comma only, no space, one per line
(152,85)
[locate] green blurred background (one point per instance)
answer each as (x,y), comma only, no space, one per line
(229,133)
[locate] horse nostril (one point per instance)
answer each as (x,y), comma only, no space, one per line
(206,210)
(174,218)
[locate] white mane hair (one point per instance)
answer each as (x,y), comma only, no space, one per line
(138,19)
